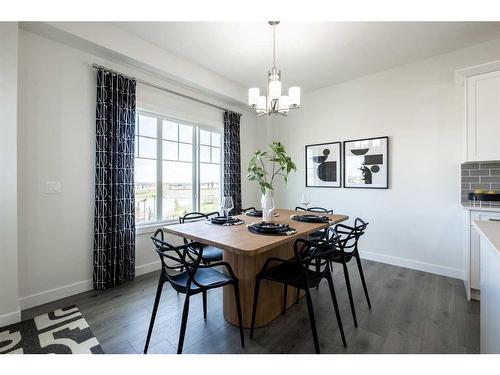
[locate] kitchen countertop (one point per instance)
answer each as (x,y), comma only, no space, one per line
(470,207)
(491,231)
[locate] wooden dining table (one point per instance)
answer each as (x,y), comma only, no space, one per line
(247,252)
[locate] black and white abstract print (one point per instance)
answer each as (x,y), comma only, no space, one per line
(114,209)
(366,163)
(323,165)
(63,331)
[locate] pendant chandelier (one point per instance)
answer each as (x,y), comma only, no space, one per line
(274,102)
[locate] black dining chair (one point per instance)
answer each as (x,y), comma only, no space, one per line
(347,249)
(314,209)
(210,253)
(296,272)
(181,266)
(318,234)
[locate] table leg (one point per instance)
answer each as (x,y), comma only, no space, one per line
(270,304)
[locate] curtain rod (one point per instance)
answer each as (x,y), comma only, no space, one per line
(97,66)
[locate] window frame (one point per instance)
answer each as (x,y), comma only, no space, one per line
(198,162)
(149,226)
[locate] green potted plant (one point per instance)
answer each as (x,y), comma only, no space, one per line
(274,159)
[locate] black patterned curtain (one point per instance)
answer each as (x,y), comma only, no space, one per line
(114,217)
(232,159)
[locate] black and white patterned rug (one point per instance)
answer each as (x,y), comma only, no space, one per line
(63,331)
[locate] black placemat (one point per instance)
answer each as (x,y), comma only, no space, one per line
(271,229)
(256,213)
(311,218)
(221,220)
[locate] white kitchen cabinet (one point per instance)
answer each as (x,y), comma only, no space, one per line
(483,116)
(489,233)
(490,301)
(473,257)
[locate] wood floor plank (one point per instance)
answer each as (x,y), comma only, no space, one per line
(412,312)
(400,342)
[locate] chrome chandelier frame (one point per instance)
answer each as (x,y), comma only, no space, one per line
(272,105)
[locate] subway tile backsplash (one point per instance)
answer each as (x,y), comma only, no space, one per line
(480,175)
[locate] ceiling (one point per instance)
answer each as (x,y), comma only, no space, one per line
(310,54)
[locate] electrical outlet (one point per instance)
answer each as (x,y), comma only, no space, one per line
(53,187)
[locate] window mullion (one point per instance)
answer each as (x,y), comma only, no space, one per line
(159,169)
(221,170)
(196,170)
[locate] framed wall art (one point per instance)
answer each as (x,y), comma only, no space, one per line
(323,165)
(366,163)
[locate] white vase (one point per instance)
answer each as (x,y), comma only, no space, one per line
(267,205)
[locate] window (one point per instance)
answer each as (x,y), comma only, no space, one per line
(177,168)
(210,170)
(145,169)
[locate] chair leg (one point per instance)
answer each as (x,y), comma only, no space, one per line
(238,308)
(318,268)
(285,296)
(312,321)
(297,296)
(254,307)
(185,313)
(336,307)
(349,292)
(153,314)
(204,294)
(363,280)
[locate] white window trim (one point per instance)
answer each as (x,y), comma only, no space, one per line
(152,226)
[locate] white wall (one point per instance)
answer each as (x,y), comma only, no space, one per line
(418,222)
(9,306)
(56,142)
(109,40)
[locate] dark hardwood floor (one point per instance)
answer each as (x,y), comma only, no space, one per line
(412,312)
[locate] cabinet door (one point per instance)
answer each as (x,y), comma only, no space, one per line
(474,259)
(474,262)
(483,117)
(490,299)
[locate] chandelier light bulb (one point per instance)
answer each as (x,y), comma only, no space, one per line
(253,96)
(261,104)
(294,94)
(274,90)
(284,105)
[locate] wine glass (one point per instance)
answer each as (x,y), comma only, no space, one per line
(227,205)
(305,200)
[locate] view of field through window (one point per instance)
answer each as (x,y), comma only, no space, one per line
(187,152)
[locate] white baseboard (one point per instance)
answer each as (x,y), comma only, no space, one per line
(10,318)
(467,289)
(47,296)
(414,264)
(147,268)
(72,289)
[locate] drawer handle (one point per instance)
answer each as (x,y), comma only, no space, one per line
(494,219)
